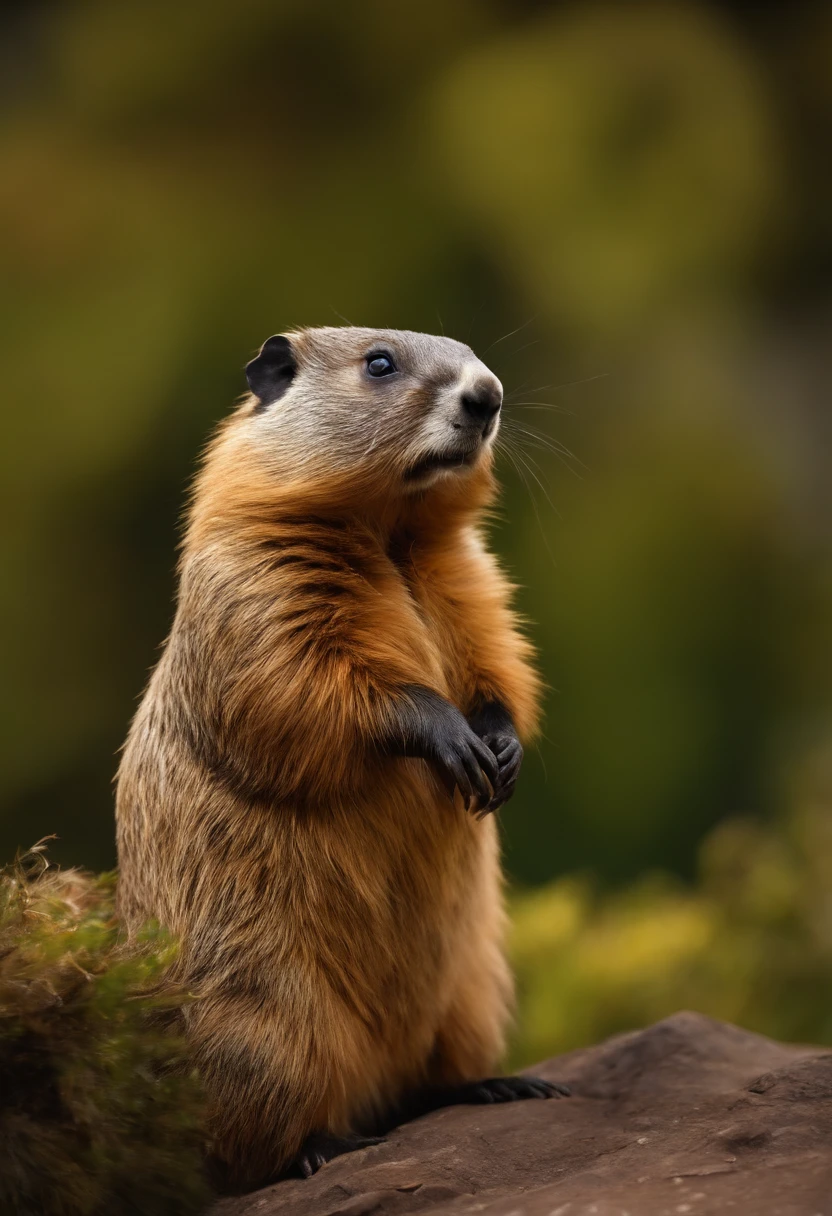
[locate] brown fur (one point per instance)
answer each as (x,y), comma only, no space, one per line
(341,918)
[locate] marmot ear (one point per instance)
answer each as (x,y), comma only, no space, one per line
(271,373)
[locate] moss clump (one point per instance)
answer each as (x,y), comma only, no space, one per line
(99,1110)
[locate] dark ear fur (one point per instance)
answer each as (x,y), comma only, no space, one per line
(271,373)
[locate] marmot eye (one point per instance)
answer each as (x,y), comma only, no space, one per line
(380,365)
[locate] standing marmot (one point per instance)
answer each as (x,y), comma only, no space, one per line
(343,655)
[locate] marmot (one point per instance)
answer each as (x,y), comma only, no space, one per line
(303,796)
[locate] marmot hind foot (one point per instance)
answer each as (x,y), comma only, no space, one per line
(321,1147)
(507,1089)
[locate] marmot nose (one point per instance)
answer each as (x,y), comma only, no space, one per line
(482,402)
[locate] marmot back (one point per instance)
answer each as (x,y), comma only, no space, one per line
(305,791)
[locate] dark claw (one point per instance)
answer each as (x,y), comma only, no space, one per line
(487,761)
(510,768)
(477,781)
(549,1089)
(509,1089)
(504,1092)
(499,799)
(320,1148)
(461,779)
(509,756)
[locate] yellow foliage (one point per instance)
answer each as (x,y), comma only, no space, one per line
(750,942)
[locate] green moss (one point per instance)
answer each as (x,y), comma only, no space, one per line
(99,1110)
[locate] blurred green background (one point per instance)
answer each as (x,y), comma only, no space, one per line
(626,209)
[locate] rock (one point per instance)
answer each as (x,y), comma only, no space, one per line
(687,1117)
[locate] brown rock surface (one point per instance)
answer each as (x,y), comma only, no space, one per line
(688,1117)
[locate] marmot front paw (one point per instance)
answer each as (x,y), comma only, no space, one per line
(466,761)
(431,727)
(494,725)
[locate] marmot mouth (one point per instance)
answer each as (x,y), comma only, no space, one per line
(440,460)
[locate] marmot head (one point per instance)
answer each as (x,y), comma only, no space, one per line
(385,406)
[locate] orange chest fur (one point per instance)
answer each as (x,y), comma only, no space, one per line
(445,629)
